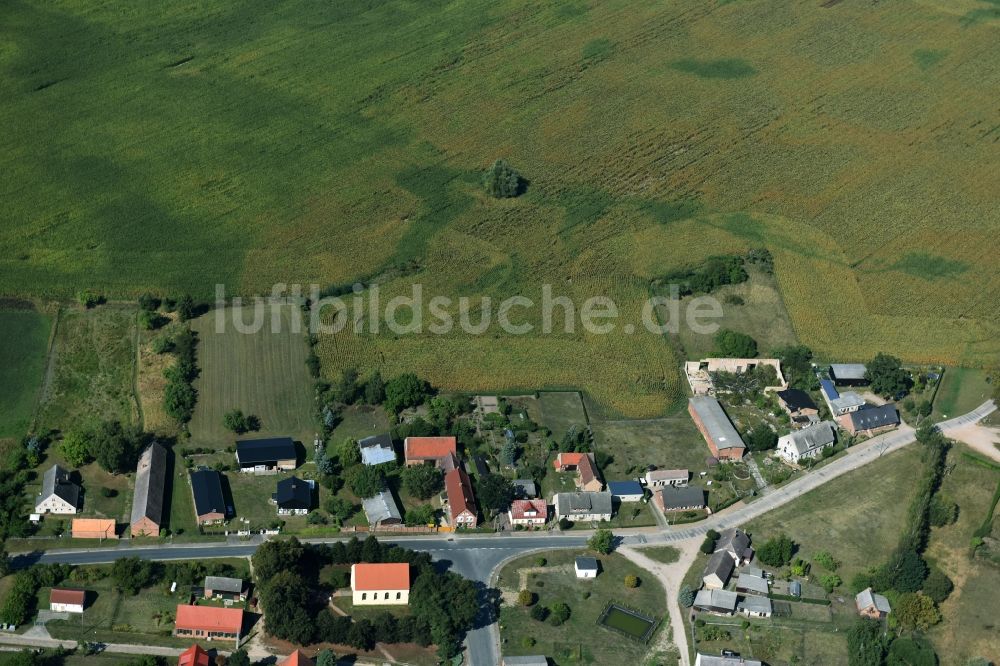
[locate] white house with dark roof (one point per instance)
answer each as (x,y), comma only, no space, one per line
(712,660)
(735,543)
(808,442)
(717,571)
(586,567)
(59,494)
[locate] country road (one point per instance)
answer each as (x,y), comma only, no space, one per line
(478,557)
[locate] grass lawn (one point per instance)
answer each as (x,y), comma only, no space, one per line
(180,518)
(762,316)
(579,640)
(263,374)
(345,604)
(961,391)
(970,613)
(360,421)
(113,617)
(559,410)
(665,554)
(93,368)
(857,517)
(22,364)
(668,443)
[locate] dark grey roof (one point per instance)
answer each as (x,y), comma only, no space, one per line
(621,488)
(206,485)
(720,564)
(224,584)
(816,436)
(264,451)
(870,418)
(530,660)
(293,493)
(150,485)
(720,430)
(381,508)
(753,603)
(525,489)
(752,583)
(856,371)
(681,498)
(586,563)
(584,503)
(733,541)
(796,399)
(56,482)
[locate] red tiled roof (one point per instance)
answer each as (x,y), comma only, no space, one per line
(387,576)
(89,528)
(533,508)
(209,618)
(194,656)
(459,489)
(60,595)
(568,459)
(297,658)
(587,470)
(420,448)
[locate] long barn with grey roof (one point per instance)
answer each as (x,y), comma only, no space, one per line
(150,487)
(719,433)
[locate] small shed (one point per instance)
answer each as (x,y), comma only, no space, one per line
(586,567)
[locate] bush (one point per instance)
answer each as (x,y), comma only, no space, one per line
(539,613)
(735,344)
(686,596)
(777,552)
(631,581)
(108,492)
(938,586)
(149,302)
(541,562)
(559,613)
(89,299)
(733,299)
(502,181)
(528,642)
(526,597)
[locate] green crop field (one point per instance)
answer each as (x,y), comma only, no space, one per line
(261,373)
(172,148)
(25,335)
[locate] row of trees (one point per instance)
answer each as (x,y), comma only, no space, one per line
(443,605)
(180,396)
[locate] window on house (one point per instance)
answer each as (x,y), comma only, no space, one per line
(399,595)
(364,596)
(386,595)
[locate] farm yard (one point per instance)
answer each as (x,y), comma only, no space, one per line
(244,147)
(25,335)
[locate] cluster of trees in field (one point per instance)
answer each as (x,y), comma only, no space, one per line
(114,446)
(442,605)
(16,471)
(717,271)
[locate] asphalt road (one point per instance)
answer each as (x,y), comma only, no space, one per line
(477,557)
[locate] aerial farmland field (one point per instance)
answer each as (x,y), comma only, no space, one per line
(263,374)
(22,365)
(171,149)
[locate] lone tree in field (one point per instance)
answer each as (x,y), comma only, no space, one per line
(502,181)
(239,422)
